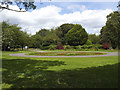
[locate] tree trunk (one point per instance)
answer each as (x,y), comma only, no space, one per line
(22,47)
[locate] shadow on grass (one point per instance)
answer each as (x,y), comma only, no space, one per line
(27,73)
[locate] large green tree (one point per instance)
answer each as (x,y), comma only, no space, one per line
(35,41)
(110,32)
(13,37)
(6,36)
(77,36)
(62,30)
(44,38)
(43,32)
(51,38)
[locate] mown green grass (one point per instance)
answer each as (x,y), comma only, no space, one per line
(92,72)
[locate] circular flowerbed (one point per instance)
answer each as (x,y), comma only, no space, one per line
(72,53)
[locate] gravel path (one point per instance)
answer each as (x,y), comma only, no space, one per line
(108,54)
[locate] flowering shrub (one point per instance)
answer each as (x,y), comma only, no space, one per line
(60,46)
(106,45)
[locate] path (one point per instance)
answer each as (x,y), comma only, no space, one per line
(23,55)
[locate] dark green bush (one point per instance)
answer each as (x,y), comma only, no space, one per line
(89,47)
(44,47)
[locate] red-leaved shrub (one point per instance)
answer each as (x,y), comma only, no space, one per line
(106,45)
(60,46)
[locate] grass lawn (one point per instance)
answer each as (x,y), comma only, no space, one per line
(92,72)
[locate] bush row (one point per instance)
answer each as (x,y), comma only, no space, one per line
(66,47)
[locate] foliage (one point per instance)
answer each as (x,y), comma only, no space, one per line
(35,41)
(59,46)
(43,32)
(13,37)
(52,47)
(22,4)
(51,38)
(110,32)
(77,36)
(85,47)
(106,45)
(44,47)
(62,30)
(46,38)
(95,39)
(88,42)
(67,47)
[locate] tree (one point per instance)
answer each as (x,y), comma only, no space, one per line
(77,36)
(43,32)
(22,4)
(35,41)
(110,32)
(23,39)
(6,36)
(88,42)
(104,36)
(62,31)
(12,37)
(51,38)
(0,37)
(94,38)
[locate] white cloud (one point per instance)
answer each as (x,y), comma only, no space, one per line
(49,16)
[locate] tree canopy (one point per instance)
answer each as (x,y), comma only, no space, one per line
(94,38)
(110,32)
(62,30)
(77,36)
(13,37)
(22,4)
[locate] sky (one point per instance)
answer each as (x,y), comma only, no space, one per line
(91,15)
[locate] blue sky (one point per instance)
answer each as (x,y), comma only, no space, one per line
(89,5)
(91,15)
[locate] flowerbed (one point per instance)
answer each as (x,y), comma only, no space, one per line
(72,53)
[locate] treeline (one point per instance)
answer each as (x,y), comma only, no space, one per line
(67,35)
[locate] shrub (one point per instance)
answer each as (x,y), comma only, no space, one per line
(60,46)
(67,47)
(106,45)
(79,48)
(88,42)
(52,47)
(75,47)
(89,47)
(44,47)
(84,47)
